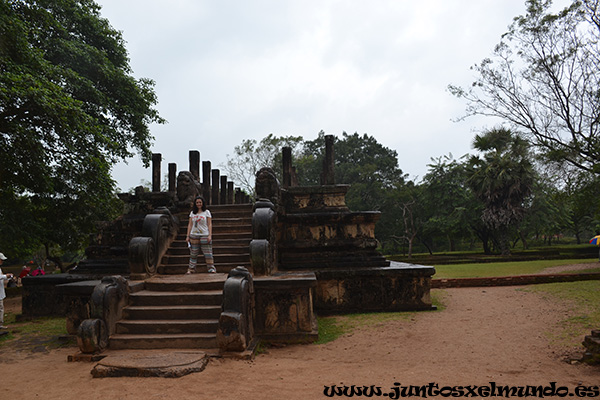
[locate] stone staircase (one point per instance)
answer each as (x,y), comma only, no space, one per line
(232,233)
(174,310)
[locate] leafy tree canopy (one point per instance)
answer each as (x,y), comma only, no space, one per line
(69,110)
(543,80)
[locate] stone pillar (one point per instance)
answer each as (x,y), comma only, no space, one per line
(195,164)
(156,160)
(206,181)
(230,199)
(238,196)
(215,187)
(172,177)
(223,195)
(287,166)
(328,174)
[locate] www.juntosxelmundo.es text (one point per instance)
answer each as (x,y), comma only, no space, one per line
(492,390)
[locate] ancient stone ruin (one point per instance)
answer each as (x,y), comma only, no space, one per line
(292,253)
(311,229)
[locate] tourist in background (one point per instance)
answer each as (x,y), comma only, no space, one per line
(199,235)
(25,271)
(2,292)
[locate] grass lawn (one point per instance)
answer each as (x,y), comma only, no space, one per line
(485,270)
(584,298)
(47,332)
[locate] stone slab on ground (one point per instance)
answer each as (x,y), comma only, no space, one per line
(167,363)
(83,357)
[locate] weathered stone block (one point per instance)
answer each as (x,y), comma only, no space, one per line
(284,310)
(400,287)
(43,297)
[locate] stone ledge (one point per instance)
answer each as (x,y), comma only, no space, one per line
(285,281)
(395,269)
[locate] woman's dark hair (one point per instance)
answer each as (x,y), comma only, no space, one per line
(195,207)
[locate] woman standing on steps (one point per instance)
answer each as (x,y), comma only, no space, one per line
(199,235)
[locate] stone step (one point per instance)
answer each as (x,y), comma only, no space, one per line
(222,221)
(222,238)
(164,341)
(181,269)
(164,298)
(186,283)
(182,249)
(180,259)
(171,312)
(233,212)
(221,241)
(154,327)
(229,209)
(221,228)
(223,232)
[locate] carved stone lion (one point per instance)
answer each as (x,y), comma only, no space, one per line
(267,185)
(187,187)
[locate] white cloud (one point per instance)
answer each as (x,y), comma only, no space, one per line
(231,70)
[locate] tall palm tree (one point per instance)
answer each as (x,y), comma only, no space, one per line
(502,178)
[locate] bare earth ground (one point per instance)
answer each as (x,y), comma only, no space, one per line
(499,334)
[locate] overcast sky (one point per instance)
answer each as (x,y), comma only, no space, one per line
(229,70)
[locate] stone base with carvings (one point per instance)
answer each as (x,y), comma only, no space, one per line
(284,308)
(399,287)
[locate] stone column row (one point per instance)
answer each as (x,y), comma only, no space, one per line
(221,191)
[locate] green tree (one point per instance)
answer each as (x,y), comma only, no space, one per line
(360,160)
(502,178)
(402,217)
(543,80)
(580,196)
(447,199)
(69,110)
(546,215)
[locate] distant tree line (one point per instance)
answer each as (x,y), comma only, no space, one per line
(490,201)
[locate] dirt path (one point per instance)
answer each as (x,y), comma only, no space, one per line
(483,335)
(572,268)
